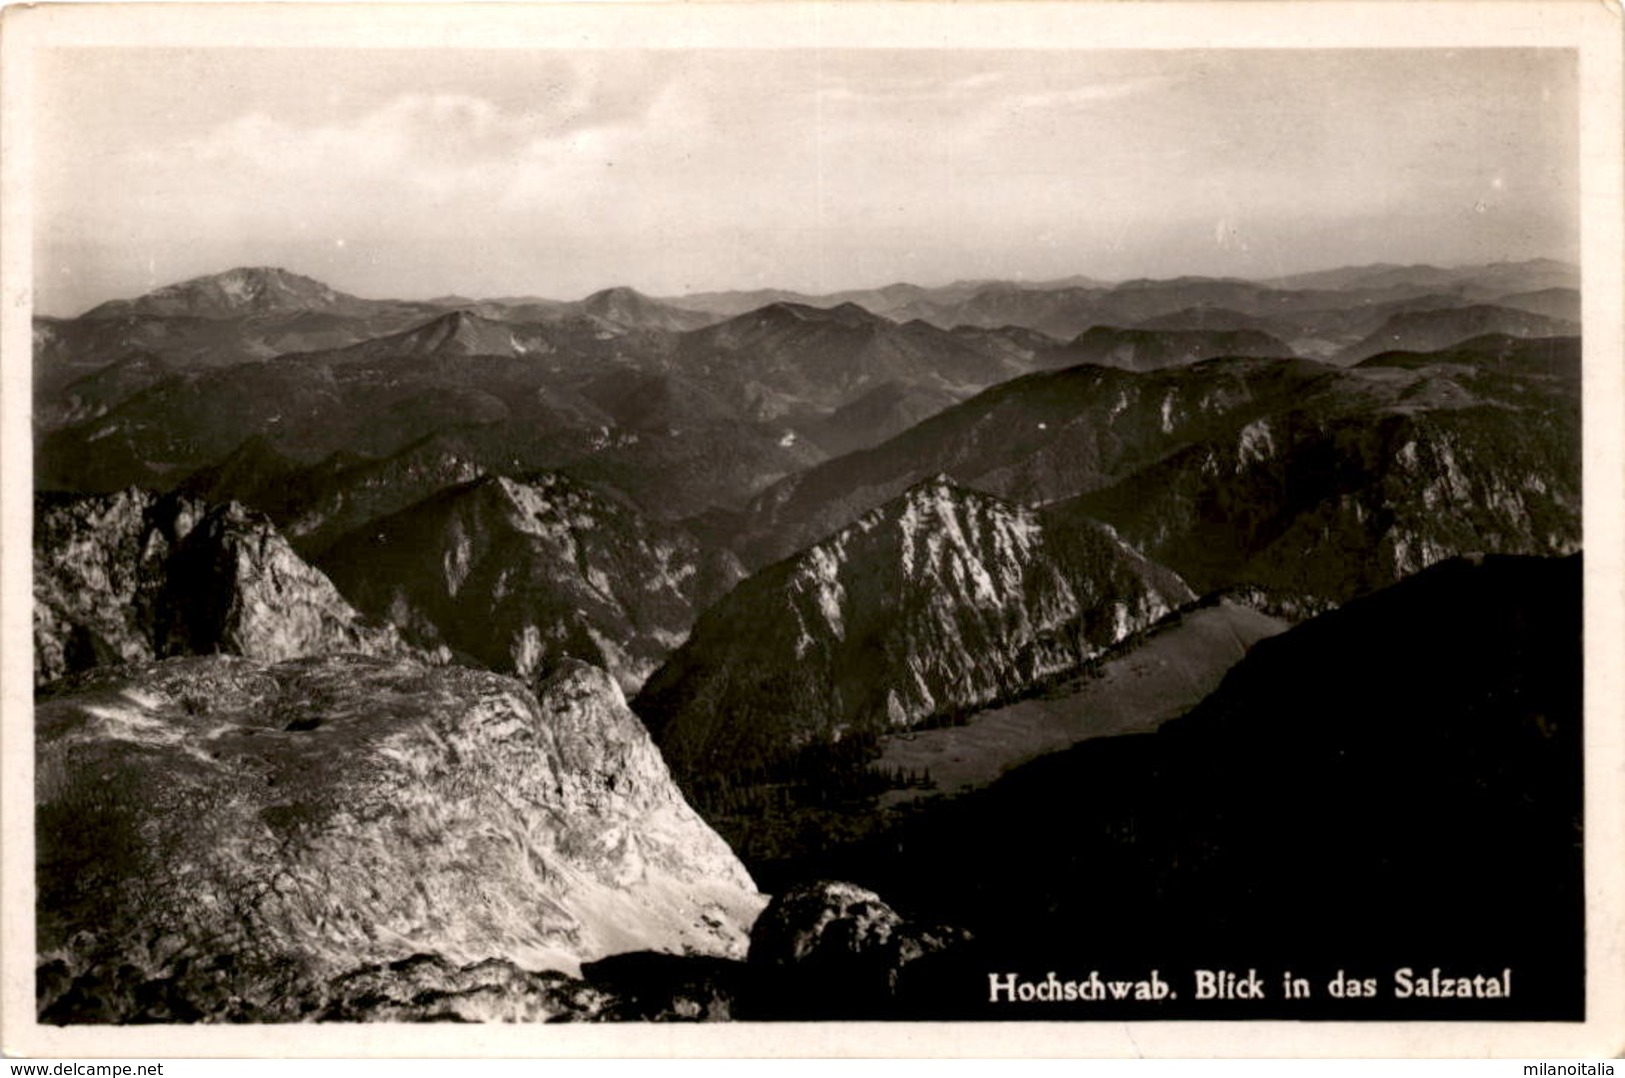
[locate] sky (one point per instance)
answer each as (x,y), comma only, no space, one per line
(506,172)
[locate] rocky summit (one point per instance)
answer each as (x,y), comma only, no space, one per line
(264,831)
(135,575)
(244,290)
(523,574)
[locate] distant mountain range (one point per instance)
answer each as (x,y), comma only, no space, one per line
(174,380)
(1152,349)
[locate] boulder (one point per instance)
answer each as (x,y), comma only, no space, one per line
(829,949)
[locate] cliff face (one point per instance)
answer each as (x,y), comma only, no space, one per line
(282,825)
(937,601)
(134,575)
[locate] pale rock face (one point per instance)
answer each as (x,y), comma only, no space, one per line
(134,575)
(941,599)
(1257,443)
(316,817)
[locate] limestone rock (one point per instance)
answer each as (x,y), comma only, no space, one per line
(939,601)
(278,826)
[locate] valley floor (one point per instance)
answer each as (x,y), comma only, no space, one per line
(1137,689)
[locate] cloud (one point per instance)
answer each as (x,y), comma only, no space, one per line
(894,87)
(566,170)
(981,91)
(1090,94)
(435,137)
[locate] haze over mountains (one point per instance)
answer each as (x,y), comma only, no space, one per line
(821,542)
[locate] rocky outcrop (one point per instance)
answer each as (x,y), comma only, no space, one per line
(236,837)
(938,601)
(523,575)
(135,575)
(829,949)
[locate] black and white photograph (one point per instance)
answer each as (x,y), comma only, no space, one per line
(763,516)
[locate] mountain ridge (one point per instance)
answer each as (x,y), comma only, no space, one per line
(525,574)
(234,292)
(1228,836)
(938,600)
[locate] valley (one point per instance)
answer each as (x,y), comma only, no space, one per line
(1153,677)
(507,657)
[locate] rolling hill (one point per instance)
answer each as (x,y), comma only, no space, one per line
(1153,349)
(1428,331)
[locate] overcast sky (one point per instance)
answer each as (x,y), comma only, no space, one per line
(510,172)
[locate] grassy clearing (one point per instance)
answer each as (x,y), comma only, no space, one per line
(1135,691)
